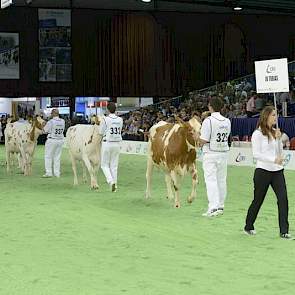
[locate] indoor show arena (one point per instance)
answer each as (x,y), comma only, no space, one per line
(147,147)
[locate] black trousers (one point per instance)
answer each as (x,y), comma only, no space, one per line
(262,180)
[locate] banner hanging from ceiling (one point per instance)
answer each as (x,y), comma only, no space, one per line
(55,52)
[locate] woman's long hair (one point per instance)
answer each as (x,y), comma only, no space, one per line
(262,123)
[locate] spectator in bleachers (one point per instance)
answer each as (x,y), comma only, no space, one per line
(285,140)
(251,105)
(259,103)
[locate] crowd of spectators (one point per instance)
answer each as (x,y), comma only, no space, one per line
(240,101)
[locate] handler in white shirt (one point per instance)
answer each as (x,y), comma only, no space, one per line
(111,129)
(54,143)
(215,132)
(267,150)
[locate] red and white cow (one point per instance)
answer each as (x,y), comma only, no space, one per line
(84,143)
(21,139)
(172,147)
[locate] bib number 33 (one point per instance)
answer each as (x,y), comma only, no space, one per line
(115,130)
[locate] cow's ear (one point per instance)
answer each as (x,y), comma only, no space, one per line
(97,120)
(197,118)
(179,121)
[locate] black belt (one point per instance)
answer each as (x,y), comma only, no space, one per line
(104,140)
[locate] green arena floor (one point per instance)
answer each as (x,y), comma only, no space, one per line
(59,239)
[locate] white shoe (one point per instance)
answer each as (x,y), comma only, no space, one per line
(251,232)
(286,236)
(47,176)
(220,210)
(211,213)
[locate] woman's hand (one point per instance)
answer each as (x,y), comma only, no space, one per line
(279,160)
(278,133)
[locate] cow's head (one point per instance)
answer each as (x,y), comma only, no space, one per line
(37,125)
(195,128)
(95,120)
(38,122)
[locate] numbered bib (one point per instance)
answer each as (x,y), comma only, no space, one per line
(114,129)
(220,130)
(57,130)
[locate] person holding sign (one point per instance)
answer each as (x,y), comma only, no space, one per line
(267,150)
(111,129)
(215,132)
(54,143)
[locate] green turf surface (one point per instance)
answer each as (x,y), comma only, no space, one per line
(57,239)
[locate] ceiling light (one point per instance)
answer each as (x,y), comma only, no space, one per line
(146,1)
(238,8)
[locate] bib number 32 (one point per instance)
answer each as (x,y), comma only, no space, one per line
(221,137)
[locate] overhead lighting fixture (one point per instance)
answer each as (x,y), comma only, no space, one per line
(238,8)
(146,1)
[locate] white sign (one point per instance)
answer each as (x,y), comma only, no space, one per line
(272,76)
(5,3)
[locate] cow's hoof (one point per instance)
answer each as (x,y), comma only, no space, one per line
(190,200)
(177,206)
(95,187)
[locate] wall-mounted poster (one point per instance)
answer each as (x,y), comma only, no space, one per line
(55,53)
(9,55)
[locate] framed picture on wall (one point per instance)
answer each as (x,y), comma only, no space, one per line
(55,53)
(9,55)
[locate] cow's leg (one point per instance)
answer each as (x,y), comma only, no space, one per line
(18,156)
(176,179)
(170,194)
(149,172)
(85,180)
(93,180)
(74,168)
(29,161)
(193,194)
(8,160)
(24,162)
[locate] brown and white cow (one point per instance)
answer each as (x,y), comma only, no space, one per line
(172,147)
(84,143)
(21,139)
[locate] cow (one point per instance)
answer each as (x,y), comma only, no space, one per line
(172,148)
(84,144)
(21,139)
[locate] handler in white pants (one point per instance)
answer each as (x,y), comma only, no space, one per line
(54,143)
(215,132)
(111,128)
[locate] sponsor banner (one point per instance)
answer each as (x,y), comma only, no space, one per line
(236,157)
(55,46)
(9,55)
(272,75)
(134,147)
(244,157)
(5,3)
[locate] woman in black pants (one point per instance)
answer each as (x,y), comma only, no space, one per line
(267,150)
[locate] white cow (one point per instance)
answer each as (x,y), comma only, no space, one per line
(84,143)
(21,139)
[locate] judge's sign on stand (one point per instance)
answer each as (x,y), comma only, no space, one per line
(5,3)
(272,76)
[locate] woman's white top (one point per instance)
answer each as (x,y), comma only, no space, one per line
(265,151)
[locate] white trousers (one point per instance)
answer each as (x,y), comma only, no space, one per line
(53,150)
(215,172)
(110,152)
